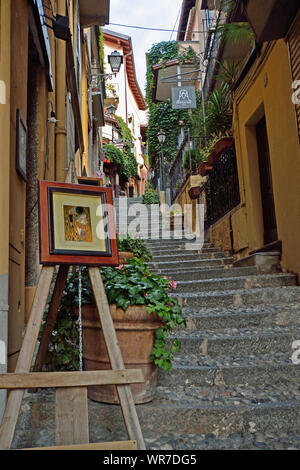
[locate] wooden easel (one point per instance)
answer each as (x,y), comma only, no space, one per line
(72,431)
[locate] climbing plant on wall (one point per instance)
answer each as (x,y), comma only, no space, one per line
(162,115)
(130,168)
(101,48)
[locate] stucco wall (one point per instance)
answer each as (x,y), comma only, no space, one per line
(220,234)
(269,90)
(139,117)
(184,198)
(4,182)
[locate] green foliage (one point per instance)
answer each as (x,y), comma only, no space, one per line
(125,132)
(227,72)
(135,245)
(130,164)
(150,196)
(218,114)
(236,32)
(101,49)
(126,161)
(219,111)
(63,352)
(128,285)
(159,53)
(163,116)
(114,155)
(196,159)
(136,285)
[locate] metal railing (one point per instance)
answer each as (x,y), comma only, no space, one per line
(177,175)
(222,188)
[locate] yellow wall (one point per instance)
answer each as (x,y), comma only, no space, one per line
(19,69)
(220,234)
(184,198)
(268,87)
(4,131)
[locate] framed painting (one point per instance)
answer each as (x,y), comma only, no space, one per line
(90,181)
(21,146)
(77,225)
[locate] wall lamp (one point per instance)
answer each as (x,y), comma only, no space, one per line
(60,26)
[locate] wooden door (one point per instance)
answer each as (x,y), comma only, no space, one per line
(268,206)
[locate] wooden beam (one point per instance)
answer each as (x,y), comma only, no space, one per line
(117,445)
(70,379)
(71,416)
(116,359)
(14,401)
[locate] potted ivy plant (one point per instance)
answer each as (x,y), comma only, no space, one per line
(143,313)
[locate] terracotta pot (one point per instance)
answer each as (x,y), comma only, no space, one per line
(135,329)
(123,255)
(222,144)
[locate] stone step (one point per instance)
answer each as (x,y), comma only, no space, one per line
(174,241)
(157,252)
(153,235)
(250,340)
(193,263)
(237,282)
(214,319)
(182,274)
(249,369)
(238,297)
(187,409)
(185,255)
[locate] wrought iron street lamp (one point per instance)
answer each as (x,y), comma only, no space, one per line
(115,59)
(161,135)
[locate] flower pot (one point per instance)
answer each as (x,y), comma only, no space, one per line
(135,329)
(123,255)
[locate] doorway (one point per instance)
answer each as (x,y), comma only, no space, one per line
(268,206)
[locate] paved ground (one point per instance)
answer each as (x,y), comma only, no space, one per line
(233,385)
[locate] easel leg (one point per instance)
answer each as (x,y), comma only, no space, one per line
(14,401)
(51,317)
(116,359)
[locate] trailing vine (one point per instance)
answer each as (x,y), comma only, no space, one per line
(101,49)
(114,155)
(130,167)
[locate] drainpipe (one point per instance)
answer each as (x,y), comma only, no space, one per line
(4,186)
(60,96)
(125,72)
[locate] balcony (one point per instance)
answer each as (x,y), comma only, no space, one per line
(94,12)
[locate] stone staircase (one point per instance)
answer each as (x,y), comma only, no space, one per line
(232,386)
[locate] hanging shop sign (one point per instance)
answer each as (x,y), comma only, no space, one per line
(184,97)
(77,225)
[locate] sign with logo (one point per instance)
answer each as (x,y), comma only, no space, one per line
(183,97)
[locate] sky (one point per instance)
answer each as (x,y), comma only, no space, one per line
(149,13)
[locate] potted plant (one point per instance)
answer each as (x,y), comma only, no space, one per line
(143,315)
(130,247)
